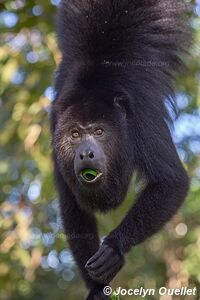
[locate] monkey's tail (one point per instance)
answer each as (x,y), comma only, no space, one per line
(147,32)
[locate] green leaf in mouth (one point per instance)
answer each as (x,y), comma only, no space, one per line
(89,174)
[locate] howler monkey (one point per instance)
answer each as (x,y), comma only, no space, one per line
(109,119)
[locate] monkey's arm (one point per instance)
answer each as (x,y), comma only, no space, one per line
(81,230)
(167,186)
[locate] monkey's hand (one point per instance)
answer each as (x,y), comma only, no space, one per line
(97,293)
(105,264)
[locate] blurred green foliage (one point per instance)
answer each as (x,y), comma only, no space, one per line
(35,262)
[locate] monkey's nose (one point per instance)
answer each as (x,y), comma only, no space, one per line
(86,155)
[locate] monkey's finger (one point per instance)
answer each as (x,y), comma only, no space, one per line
(102,260)
(107,276)
(99,257)
(110,273)
(94,258)
(105,266)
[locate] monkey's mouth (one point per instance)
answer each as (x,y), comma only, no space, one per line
(90,175)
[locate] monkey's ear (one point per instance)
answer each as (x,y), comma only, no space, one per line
(122,104)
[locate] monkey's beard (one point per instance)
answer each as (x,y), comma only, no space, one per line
(104,195)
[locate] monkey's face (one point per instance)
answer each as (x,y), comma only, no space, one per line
(86,143)
(88,147)
(89,160)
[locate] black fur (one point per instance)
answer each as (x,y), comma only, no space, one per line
(118,62)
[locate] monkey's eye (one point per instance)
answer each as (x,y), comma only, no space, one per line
(75,134)
(99,131)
